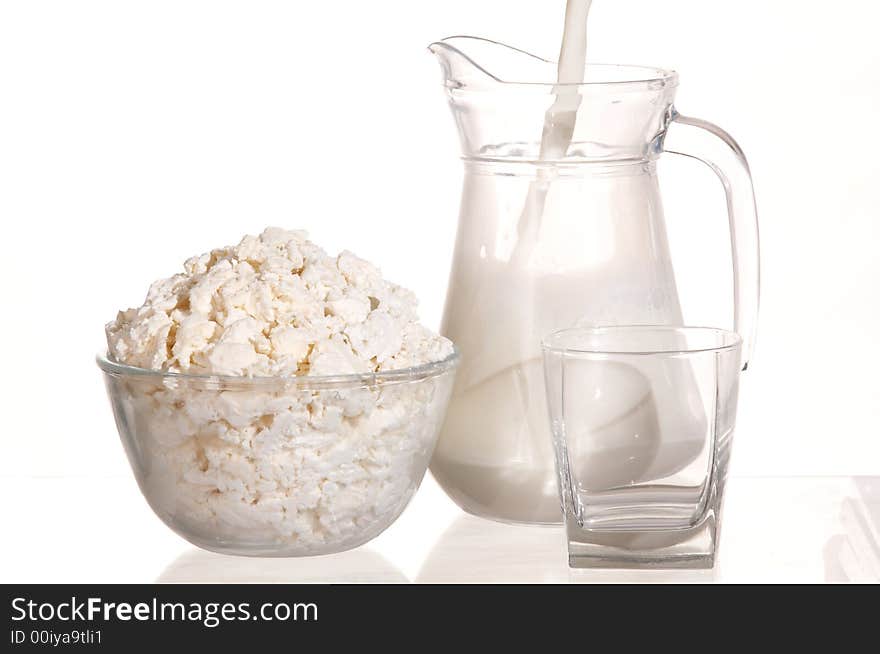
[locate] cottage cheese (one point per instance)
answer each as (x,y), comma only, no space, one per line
(275,304)
(281,465)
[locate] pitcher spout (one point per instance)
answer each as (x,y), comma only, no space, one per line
(499,96)
(498,63)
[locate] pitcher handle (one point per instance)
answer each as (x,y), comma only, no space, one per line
(706,142)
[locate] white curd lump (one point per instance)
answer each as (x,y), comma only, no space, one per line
(275,304)
(256,463)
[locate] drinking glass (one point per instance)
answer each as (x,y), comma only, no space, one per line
(642,419)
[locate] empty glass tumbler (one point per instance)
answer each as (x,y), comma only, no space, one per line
(642,419)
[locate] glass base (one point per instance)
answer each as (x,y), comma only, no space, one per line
(696,562)
(692,548)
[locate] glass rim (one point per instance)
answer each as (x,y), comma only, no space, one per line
(731,340)
(302,382)
(653,78)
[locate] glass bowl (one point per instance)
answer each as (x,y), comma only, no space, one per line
(275,466)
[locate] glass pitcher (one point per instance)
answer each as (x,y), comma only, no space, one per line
(575,238)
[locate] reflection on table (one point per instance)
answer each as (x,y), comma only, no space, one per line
(474,550)
(773,530)
(361,565)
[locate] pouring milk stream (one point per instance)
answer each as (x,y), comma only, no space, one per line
(559,120)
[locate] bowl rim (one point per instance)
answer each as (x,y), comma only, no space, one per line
(403,375)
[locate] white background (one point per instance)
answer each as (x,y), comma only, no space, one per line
(135,134)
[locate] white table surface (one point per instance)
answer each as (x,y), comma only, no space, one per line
(775,529)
